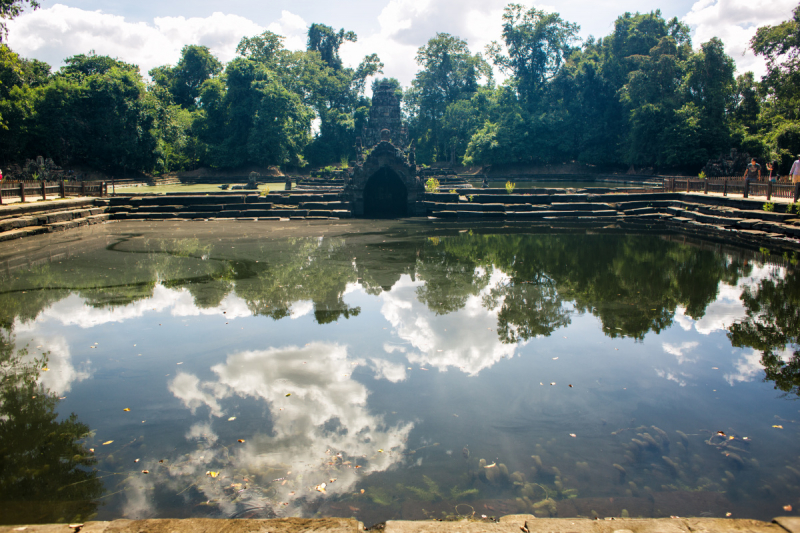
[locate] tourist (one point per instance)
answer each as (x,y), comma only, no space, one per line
(794,174)
(773,171)
(753,170)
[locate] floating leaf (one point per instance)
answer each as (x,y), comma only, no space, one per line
(145,471)
(241,440)
(331,480)
(91,450)
(491,465)
(787,508)
(107,442)
(136,460)
(570,385)
(722,433)
(380,451)
(320,487)
(779,427)
(288,394)
(572,435)
(362,491)
(212,474)
(231,419)
(552,383)
(127,409)
(728,514)
(46,369)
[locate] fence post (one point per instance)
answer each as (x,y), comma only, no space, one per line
(769,190)
(104,188)
(705,187)
(44,190)
(796,191)
(63,190)
(22,191)
(83,188)
(725,188)
(746,188)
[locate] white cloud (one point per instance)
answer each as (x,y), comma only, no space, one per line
(670,377)
(62,371)
(748,366)
(735,22)
(55,33)
(679,351)
(73,311)
(459,339)
(727,308)
(326,415)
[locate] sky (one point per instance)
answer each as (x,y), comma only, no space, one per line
(150,33)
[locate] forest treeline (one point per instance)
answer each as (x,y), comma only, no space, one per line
(642,96)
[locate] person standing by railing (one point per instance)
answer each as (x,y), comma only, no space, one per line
(773,171)
(753,171)
(794,174)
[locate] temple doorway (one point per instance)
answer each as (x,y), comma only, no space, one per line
(385,195)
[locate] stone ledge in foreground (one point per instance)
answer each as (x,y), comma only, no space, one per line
(507,524)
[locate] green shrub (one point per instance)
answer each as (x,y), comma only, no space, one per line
(510,187)
(702,175)
(432,185)
(768,207)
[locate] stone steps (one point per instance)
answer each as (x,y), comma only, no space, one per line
(47,217)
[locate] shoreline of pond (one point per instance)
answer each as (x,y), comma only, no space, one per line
(739,221)
(505,524)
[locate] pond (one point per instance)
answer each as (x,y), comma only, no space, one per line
(394,370)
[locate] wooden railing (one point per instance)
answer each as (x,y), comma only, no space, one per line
(23,190)
(747,188)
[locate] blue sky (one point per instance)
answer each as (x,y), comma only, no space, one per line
(151,33)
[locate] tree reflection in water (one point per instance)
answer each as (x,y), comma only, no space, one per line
(45,469)
(771,327)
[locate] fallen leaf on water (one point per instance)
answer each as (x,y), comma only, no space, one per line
(136,460)
(241,440)
(91,450)
(46,369)
(127,409)
(779,427)
(728,514)
(552,383)
(291,493)
(362,491)
(731,437)
(145,471)
(320,487)
(288,394)
(107,442)
(212,474)
(491,465)
(180,363)
(332,480)
(231,419)
(421,368)
(787,508)
(380,451)
(359,466)
(554,358)
(570,385)
(284,482)
(572,435)
(722,433)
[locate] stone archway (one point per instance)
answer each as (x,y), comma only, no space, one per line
(385,184)
(385,195)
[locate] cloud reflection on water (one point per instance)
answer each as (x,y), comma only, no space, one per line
(326,414)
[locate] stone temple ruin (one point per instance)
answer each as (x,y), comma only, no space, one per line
(384,181)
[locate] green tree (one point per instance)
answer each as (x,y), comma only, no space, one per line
(326,41)
(449,72)
(45,474)
(537,44)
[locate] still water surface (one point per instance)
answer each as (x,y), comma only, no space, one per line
(394,370)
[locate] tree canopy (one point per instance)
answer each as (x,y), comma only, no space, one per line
(643,96)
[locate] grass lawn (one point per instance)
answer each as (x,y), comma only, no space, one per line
(200,187)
